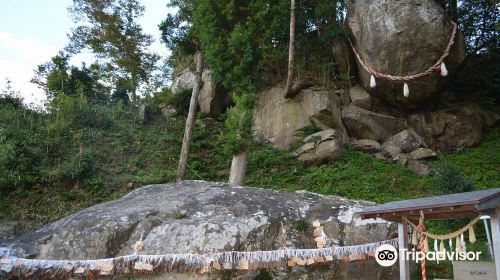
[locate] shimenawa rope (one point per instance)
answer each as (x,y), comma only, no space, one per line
(439,66)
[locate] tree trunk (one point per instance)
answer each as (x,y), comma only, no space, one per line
(238,169)
(291,51)
(453,10)
(186,141)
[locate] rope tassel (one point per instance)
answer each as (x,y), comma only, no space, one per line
(442,249)
(444,71)
(458,245)
(414,241)
(472,235)
(373,84)
(406,90)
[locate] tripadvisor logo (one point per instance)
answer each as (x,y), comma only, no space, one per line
(386,255)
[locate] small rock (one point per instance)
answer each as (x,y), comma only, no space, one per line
(380,156)
(419,168)
(360,97)
(320,147)
(422,153)
(366,146)
(407,141)
(168,112)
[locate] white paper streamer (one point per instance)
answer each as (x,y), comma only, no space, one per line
(179,262)
(373,84)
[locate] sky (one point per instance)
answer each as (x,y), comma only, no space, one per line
(33,31)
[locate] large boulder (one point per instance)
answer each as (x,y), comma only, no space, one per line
(320,147)
(403,37)
(364,124)
(283,122)
(212,98)
(455,128)
(206,217)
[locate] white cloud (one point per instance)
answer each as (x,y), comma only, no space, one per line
(18,58)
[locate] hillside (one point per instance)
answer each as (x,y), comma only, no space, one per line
(68,166)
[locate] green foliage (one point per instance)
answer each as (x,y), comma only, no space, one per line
(110,30)
(264,274)
(301,225)
(478,20)
(449,180)
(58,78)
(237,138)
(53,163)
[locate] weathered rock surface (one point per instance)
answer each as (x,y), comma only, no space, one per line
(455,128)
(203,217)
(359,97)
(364,124)
(283,121)
(405,141)
(403,37)
(320,147)
(422,153)
(212,99)
(366,146)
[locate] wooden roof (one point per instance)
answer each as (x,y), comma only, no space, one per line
(469,204)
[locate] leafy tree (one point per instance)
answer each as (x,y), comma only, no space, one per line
(110,30)
(479,21)
(58,77)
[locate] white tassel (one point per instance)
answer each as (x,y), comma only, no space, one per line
(444,71)
(406,90)
(373,84)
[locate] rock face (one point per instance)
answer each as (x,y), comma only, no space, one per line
(364,124)
(204,217)
(212,99)
(282,122)
(455,128)
(320,147)
(360,97)
(400,38)
(366,145)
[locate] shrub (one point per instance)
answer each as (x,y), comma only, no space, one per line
(448,180)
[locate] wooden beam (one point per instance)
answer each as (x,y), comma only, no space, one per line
(495,230)
(404,265)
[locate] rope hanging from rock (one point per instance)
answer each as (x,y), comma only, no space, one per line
(153,264)
(439,66)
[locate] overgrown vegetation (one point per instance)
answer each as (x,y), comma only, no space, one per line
(81,153)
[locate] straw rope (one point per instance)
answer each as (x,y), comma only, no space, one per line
(134,264)
(448,235)
(429,71)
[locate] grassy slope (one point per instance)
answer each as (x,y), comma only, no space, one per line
(132,155)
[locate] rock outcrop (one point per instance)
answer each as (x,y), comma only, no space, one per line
(401,38)
(204,217)
(320,147)
(364,124)
(212,99)
(283,121)
(455,128)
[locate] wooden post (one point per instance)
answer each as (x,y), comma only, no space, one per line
(238,169)
(186,142)
(404,265)
(495,230)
